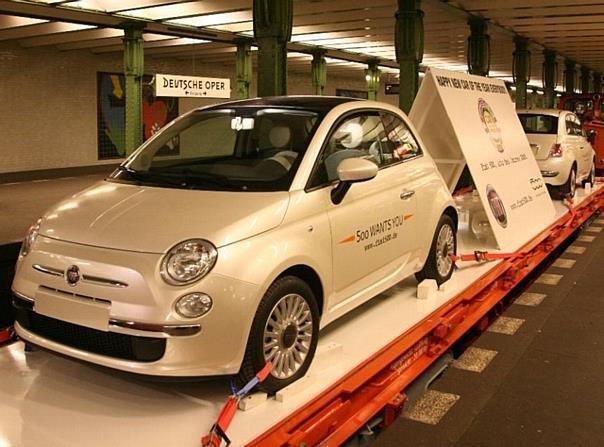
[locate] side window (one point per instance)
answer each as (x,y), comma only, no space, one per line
(578,128)
(400,145)
(359,136)
(570,128)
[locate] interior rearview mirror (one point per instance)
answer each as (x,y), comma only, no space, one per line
(352,170)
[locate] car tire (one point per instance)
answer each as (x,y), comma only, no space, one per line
(591,178)
(439,266)
(569,187)
(286,310)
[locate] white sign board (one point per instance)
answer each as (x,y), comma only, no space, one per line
(188,86)
(471,119)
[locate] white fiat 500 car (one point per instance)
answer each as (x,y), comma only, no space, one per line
(232,236)
(561,148)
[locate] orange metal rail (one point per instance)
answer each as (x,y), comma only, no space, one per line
(378,384)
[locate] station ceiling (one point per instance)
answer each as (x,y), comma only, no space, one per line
(351,30)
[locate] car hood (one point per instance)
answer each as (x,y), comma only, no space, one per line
(152,219)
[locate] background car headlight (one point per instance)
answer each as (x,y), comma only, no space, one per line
(193,305)
(188,262)
(30,238)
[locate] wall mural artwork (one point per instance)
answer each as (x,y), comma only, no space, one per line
(111,113)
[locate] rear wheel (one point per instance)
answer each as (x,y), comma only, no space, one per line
(570,186)
(439,265)
(285,332)
(591,178)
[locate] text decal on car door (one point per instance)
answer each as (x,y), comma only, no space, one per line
(384,229)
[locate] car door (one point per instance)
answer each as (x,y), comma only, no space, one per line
(366,227)
(584,148)
(571,142)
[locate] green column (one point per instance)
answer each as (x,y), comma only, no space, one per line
(133,70)
(272,30)
(319,71)
(550,78)
(585,79)
(409,42)
(243,68)
(479,47)
(372,76)
(522,70)
(597,82)
(569,76)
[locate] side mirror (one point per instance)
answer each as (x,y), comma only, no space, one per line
(352,170)
(591,136)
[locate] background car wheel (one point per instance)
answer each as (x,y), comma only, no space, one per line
(439,265)
(570,186)
(591,178)
(285,331)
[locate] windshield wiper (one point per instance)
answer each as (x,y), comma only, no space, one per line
(151,177)
(191,176)
(133,173)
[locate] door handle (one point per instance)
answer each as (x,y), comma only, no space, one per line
(407,194)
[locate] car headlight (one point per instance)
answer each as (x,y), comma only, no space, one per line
(188,262)
(193,305)
(30,238)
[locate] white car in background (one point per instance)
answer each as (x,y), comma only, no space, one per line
(232,235)
(561,148)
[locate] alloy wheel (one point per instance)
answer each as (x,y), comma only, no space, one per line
(288,335)
(445,247)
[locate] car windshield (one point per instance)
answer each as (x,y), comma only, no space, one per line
(533,123)
(579,106)
(246,148)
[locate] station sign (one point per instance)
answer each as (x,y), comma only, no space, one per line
(392,88)
(192,86)
(466,119)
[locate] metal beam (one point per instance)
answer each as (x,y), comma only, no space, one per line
(133,70)
(550,77)
(585,79)
(372,76)
(243,68)
(272,30)
(409,40)
(569,76)
(479,47)
(319,71)
(520,69)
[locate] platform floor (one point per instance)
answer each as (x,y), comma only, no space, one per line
(541,386)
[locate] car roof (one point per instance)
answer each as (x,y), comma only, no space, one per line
(321,103)
(550,112)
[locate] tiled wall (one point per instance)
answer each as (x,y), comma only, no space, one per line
(48,97)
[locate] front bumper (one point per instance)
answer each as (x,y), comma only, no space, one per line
(138,317)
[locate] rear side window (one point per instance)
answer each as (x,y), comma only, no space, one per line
(543,124)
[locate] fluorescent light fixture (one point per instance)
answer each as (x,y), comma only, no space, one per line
(210,20)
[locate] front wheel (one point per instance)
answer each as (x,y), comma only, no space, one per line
(439,265)
(285,332)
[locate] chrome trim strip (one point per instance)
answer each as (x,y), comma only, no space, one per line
(549,173)
(48,270)
(21,296)
(85,278)
(103,281)
(174,330)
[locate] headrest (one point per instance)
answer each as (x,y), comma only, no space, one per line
(350,135)
(279,136)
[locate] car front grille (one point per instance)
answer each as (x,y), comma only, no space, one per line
(110,344)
